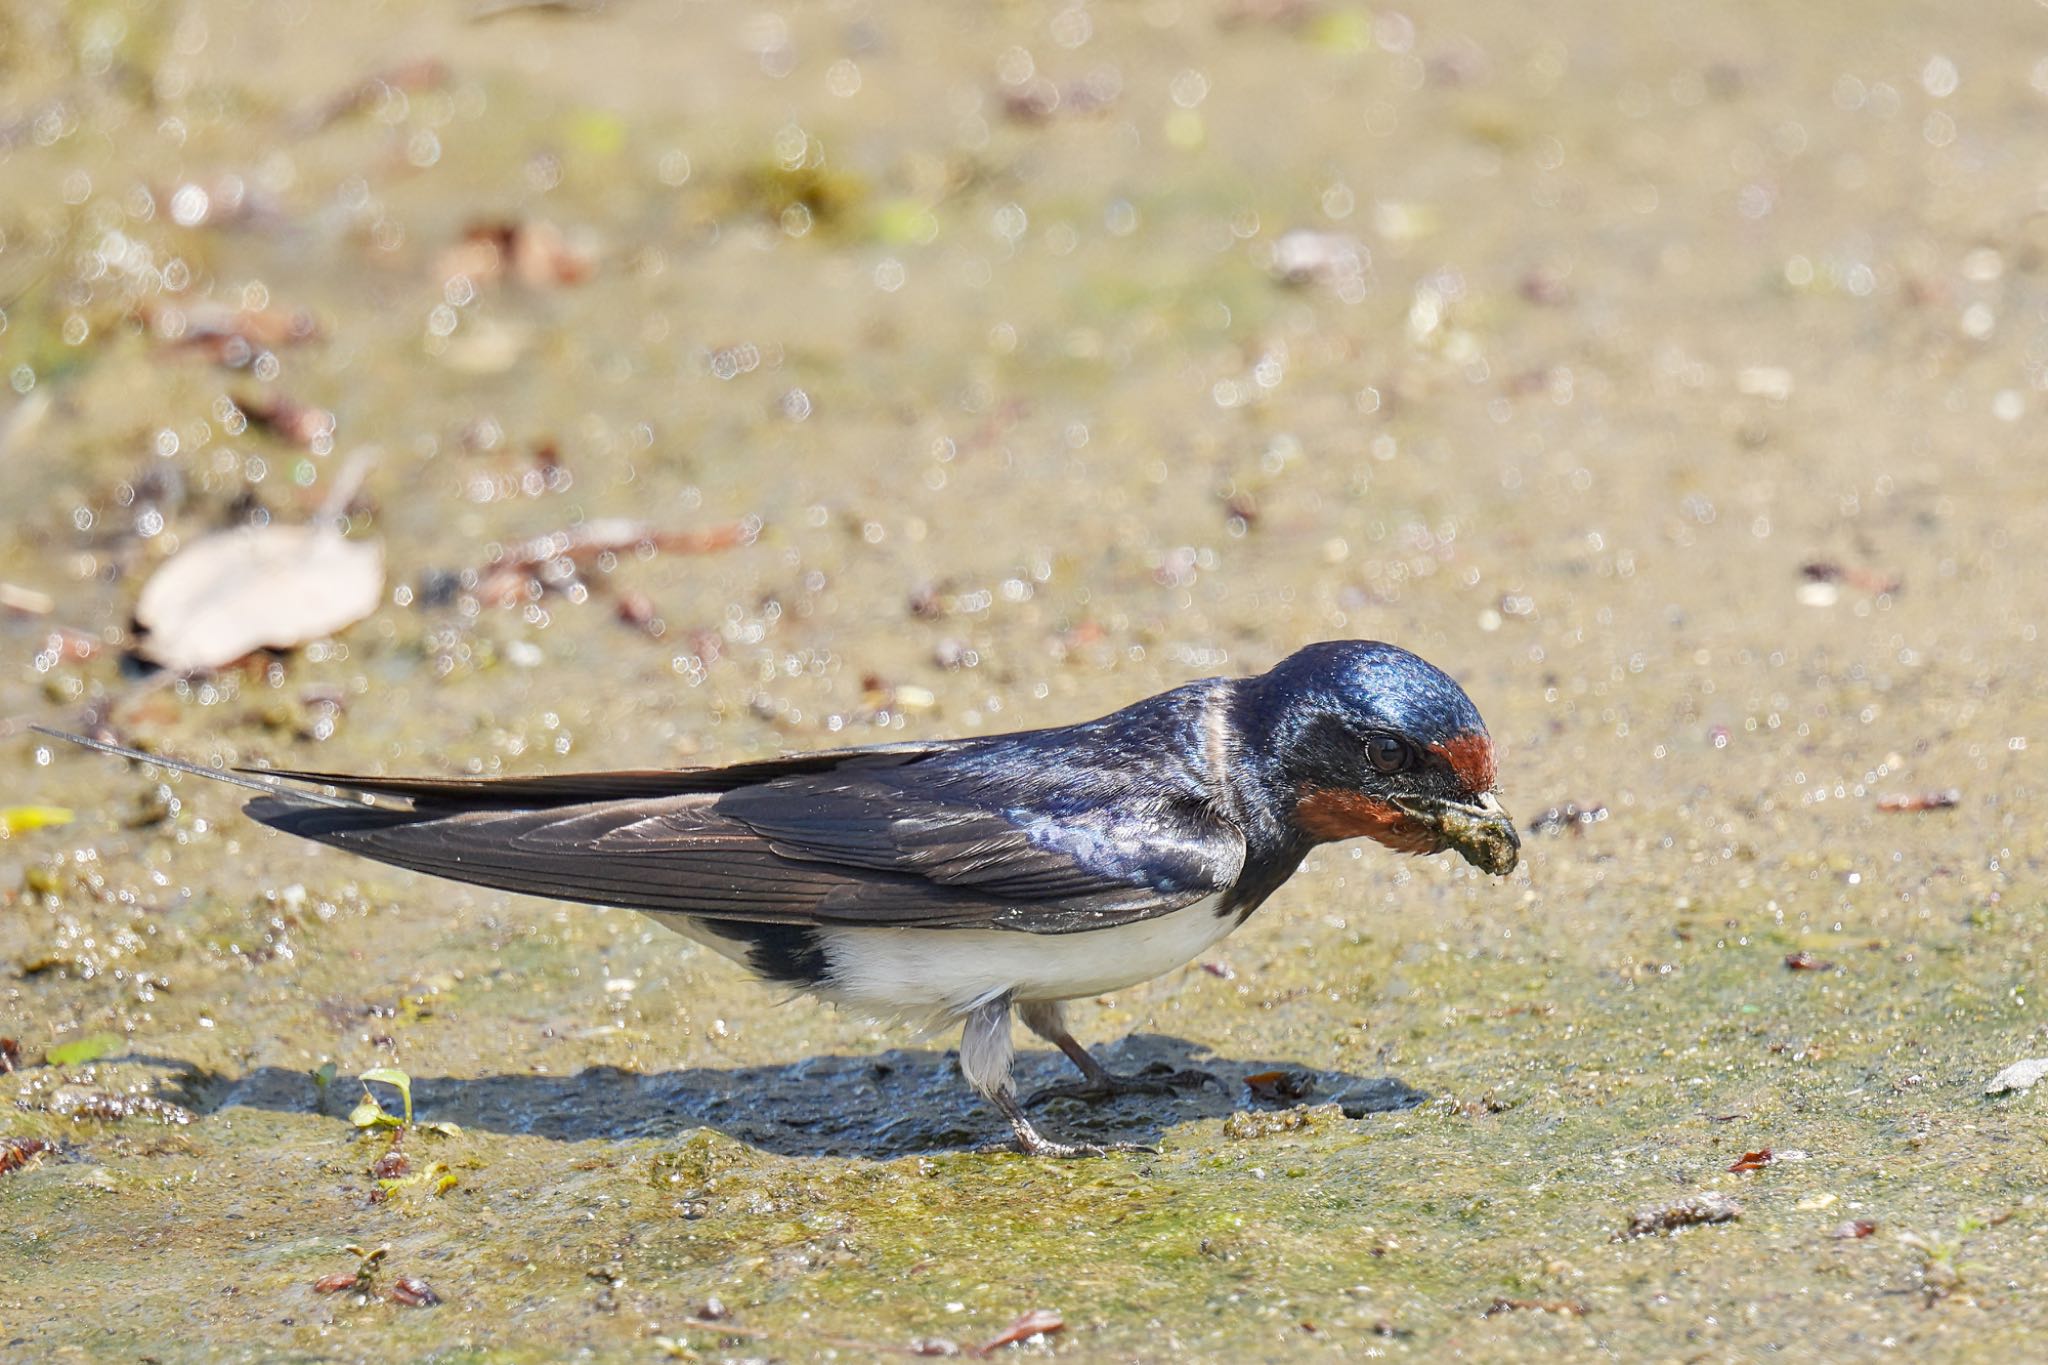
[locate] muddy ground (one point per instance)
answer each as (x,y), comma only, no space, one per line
(1673,375)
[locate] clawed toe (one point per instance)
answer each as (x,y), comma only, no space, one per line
(1156,1079)
(1189,1079)
(1046,1147)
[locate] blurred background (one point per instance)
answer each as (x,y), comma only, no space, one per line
(653,383)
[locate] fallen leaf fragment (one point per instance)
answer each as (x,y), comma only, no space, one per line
(1281,1087)
(257,587)
(16,1153)
(224,335)
(1570,1308)
(1803,961)
(1709,1207)
(296,422)
(1572,815)
(553,560)
(413,1292)
(2018,1078)
(335,1283)
(1035,1322)
(536,254)
(82,1050)
(405,78)
(1753,1161)
(1912,803)
(1871,581)
(23,819)
(26,601)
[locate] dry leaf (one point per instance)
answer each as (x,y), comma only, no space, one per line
(1031,1323)
(259,587)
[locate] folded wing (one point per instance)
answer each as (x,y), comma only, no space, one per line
(862,837)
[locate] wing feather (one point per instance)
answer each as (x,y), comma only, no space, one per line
(874,845)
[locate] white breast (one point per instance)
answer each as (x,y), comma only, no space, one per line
(938,972)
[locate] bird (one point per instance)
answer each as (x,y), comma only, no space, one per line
(966,881)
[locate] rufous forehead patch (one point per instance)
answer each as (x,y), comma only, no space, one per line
(1471,758)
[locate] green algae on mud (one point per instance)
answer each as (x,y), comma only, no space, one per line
(1644,324)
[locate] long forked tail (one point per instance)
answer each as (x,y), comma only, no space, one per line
(252,780)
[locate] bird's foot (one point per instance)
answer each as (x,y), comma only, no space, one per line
(1033,1143)
(1156,1079)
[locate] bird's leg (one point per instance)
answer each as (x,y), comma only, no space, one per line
(985,1052)
(1044,1018)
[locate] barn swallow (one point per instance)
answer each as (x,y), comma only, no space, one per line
(964,880)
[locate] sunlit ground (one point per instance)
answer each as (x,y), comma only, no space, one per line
(1674,379)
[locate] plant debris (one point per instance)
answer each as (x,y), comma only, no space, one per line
(1904,803)
(10,1056)
(1753,1161)
(18,1153)
(227,336)
(1032,1323)
(2018,1078)
(26,601)
(1281,1087)
(362,1280)
(1573,816)
(555,561)
(1710,1207)
(636,609)
(1803,961)
(536,254)
(405,78)
(1248,1124)
(24,819)
(1853,1229)
(1040,99)
(293,421)
(79,1051)
(413,1292)
(1871,581)
(111,1108)
(1571,1308)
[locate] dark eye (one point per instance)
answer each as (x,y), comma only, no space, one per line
(1388,754)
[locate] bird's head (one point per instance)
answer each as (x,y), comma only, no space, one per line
(1363,738)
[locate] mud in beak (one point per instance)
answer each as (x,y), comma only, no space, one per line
(1482,831)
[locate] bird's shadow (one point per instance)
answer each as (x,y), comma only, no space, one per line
(889,1104)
